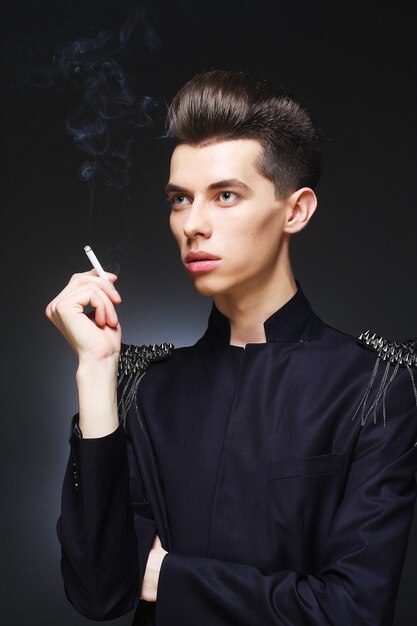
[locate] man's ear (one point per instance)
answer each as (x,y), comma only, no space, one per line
(301,205)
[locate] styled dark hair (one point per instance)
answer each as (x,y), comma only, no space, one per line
(221,105)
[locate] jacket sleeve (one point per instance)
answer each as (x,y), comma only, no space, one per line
(105,529)
(362,559)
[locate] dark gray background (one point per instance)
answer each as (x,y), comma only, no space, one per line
(353,63)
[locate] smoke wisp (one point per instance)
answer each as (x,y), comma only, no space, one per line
(101,72)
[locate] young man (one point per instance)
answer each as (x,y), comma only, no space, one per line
(265,475)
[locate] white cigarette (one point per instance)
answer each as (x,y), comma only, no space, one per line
(95,263)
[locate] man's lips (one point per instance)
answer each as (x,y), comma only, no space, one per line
(201,261)
(200,255)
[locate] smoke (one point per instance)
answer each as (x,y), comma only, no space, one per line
(111,112)
(101,73)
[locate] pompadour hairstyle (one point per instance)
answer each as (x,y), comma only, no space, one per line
(221,105)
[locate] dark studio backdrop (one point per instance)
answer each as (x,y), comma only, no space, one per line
(353,63)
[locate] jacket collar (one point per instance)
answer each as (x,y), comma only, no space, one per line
(294,321)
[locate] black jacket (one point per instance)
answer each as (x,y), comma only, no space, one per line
(280,477)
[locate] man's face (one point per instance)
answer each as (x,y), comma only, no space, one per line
(223,208)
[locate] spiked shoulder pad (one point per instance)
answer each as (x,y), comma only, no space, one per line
(134,359)
(397,352)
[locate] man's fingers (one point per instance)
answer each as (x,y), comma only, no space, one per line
(75,301)
(91,277)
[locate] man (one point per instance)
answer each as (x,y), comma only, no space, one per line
(266,474)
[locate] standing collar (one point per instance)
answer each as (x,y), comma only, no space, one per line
(294,321)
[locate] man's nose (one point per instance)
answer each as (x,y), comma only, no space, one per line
(197,222)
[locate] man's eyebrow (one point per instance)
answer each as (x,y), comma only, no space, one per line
(228,182)
(220,184)
(170,187)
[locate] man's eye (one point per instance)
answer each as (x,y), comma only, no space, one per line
(179,200)
(227,196)
(174,201)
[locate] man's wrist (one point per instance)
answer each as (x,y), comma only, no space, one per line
(152,571)
(97,393)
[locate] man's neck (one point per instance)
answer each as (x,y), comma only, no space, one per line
(247,313)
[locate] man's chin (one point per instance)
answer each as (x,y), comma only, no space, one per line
(207,287)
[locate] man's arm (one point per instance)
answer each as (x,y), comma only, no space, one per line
(107,525)
(106,528)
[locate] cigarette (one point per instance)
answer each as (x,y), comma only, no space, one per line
(95,263)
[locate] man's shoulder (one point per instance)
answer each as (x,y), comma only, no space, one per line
(370,343)
(386,368)
(135,359)
(158,361)
(401,352)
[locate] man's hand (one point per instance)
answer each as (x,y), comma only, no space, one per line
(153,567)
